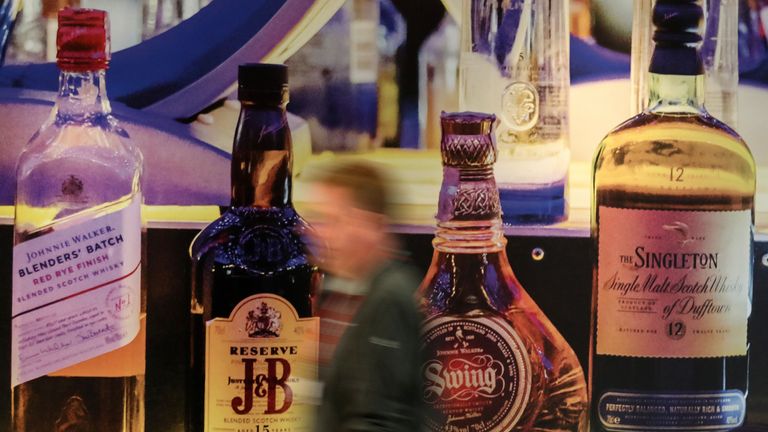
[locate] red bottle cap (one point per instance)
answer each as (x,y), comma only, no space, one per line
(82,40)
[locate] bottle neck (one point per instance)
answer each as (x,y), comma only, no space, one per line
(262,157)
(469,213)
(676,94)
(82,95)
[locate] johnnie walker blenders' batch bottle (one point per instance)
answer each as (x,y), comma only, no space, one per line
(254,338)
(672,224)
(77,332)
(494,362)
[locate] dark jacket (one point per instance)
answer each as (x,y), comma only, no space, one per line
(374,380)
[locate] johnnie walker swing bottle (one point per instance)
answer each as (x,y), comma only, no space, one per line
(673,194)
(494,362)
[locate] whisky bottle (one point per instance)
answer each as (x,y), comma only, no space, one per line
(494,362)
(672,222)
(254,337)
(78,307)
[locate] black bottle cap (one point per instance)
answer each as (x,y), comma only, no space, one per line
(262,82)
(677,37)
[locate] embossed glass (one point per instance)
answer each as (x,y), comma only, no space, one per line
(514,63)
(493,361)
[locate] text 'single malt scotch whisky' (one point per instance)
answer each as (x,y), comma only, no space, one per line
(494,362)
(254,338)
(78,307)
(672,225)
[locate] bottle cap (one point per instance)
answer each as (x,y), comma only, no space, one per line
(82,40)
(467,140)
(262,81)
(677,36)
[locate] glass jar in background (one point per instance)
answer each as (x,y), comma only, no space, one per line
(515,63)
(438,80)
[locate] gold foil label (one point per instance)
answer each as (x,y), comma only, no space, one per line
(673,284)
(258,361)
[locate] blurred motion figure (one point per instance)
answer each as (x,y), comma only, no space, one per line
(369,321)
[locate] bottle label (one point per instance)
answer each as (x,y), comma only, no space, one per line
(363,43)
(673,284)
(478,376)
(689,412)
(76,292)
(257,362)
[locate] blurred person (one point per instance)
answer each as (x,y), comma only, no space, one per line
(369,320)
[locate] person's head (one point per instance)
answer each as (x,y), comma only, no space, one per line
(351,212)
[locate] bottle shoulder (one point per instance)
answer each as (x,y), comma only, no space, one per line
(100,140)
(253,239)
(675,155)
(677,133)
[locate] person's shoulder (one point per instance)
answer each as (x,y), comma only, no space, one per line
(396,279)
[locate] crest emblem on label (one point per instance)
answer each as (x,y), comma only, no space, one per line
(477,374)
(520,106)
(264,323)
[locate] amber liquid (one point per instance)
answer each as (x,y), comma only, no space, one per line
(469,285)
(102,394)
(669,162)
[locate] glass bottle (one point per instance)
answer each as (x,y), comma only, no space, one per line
(334,79)
(514,63)
(672,222)
(78,319)
(494,362)
(438,80)
(253,281)
(719,51)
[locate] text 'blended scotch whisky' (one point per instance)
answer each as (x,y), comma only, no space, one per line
(494,362)
(254,337)
(78,323)
(672,225)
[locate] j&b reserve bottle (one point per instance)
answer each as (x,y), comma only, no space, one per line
(77,332)
(254,337)
(494,362)
(673,193)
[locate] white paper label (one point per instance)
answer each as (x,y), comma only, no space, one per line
(76,292)
(364,54)
(672,283)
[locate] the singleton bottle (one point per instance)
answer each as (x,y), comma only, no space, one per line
(672,227)
(77,332)
(254,339)
(494,362)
